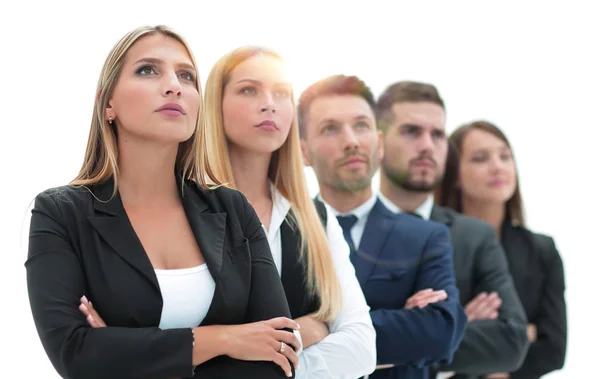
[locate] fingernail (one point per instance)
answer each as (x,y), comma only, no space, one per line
(83,306)
(297,326)
(289,374)
(90,318)
(85,298)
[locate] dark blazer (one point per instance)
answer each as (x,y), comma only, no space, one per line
(488,346)
(82,244)
(398,256)
(537,271)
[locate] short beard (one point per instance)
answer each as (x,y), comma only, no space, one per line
(351,186)
(403,180)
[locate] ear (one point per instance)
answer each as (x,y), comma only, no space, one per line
(305,153)
(109,113)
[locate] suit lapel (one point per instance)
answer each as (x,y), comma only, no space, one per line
(113,225)
(379,224)
(208,228)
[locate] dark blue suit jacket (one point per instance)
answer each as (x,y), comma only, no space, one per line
(399,255)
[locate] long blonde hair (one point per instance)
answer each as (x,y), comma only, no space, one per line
(286,171)
(100,161)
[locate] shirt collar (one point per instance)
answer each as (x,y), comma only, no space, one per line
(361,212)
(424,210)
(281,207)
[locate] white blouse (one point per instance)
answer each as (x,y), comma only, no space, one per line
(349,351)
(187,294)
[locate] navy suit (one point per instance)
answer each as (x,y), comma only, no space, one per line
(398,256)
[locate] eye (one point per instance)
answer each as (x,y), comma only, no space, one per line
(186,75)
(411,131)
(439,135)
(248,91)
(283,93)
(362,125)
(146,70)
(331,128)
(479,158)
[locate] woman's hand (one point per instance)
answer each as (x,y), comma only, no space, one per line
(92,317)
(262,341)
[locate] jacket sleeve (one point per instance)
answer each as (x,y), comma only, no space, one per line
(496,345)
(548,352)
(430,334)
(56,281)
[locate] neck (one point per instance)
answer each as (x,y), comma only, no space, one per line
(491,213)
(147,173)
(251,176)
(407,201)
(344,201)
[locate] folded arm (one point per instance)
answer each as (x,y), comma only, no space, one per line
(421,336)
(493,345)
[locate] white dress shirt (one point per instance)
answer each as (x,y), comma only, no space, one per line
(349,351)
(361,212)
(424,210)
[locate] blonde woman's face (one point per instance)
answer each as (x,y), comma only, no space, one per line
(155,98)
(487,169)
(257,105)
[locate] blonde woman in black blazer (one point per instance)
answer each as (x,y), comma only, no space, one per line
(140,206)
(481,180)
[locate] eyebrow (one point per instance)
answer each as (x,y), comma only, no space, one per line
(360,117)
(157,61)
(258,82)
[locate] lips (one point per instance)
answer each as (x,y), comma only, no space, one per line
(268,125)
(170,108)
(353,160)
(424,163)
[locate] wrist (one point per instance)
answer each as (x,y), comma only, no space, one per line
(224,338)
(209,342)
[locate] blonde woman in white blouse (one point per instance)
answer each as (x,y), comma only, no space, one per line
(253,145)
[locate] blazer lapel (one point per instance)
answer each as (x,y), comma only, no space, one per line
(378,226)
(208,228)
(113,226)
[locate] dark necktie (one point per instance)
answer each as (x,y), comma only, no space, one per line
(347,222)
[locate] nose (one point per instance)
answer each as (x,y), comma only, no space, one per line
(349,138)
(496,164)
(426,143)
(171,85)
(268,103)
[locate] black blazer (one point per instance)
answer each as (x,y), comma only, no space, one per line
(537,271)
(488,346)
(82,244)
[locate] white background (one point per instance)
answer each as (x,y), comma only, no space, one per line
(530,68)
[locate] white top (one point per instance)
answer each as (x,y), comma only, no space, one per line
(424,210)
(349,350)
(187,294)
(361,212)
